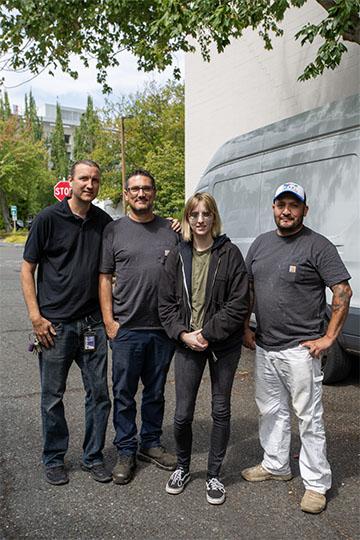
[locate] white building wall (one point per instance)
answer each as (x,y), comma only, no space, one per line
(247,87)
(71,120)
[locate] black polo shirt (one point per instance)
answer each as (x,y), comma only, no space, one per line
(67,251)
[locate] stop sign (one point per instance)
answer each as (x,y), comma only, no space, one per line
(62,189)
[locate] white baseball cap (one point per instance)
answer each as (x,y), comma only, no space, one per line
(291,187)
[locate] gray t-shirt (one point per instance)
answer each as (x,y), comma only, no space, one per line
(135,252)
(289,276)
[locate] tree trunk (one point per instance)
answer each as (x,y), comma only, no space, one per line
(4,209)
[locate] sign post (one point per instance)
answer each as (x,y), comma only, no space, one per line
(13,210)
(62,189)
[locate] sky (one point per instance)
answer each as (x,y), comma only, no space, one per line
(125,79)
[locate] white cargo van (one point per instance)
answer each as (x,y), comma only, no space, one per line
(320,150)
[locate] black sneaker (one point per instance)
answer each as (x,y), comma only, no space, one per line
(124,470)
(159,456)
(56,475)
(177,481)
(97,472)
(215,491)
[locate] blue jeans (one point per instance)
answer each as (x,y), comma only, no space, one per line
(189,369)
(55,363)
(145,355)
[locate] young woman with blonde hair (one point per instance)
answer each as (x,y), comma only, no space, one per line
(203,301)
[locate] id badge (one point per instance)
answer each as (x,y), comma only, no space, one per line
(89,341)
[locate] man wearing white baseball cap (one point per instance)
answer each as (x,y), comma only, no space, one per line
(289,269)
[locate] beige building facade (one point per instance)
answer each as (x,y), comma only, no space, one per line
(247,87)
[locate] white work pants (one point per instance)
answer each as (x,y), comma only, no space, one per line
(280,375)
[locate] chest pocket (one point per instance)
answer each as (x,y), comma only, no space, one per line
(302,272)
(291,273)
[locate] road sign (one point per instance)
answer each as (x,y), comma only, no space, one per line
(62,189)
(13,210)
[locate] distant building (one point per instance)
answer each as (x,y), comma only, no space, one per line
(71,120)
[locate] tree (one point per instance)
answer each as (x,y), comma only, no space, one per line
(58,155)
(153,30)
(32,121)
(167,165)
(24,176)
(154,135)
(5,109)
(85,134)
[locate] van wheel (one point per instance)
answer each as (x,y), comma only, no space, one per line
(336,364)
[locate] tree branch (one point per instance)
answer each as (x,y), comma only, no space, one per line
(352,35)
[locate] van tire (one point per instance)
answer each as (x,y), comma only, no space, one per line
(336,364)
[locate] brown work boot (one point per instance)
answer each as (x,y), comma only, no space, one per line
(159,456)
(313,502)
(124,470)
(259,474)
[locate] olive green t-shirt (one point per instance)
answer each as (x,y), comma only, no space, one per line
(200,268)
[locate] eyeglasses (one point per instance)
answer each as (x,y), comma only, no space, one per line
(194,216)
(134,190)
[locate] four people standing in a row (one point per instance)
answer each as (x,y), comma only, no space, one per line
(201,310)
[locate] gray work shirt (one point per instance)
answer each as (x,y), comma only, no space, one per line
(289,275)
(136,252)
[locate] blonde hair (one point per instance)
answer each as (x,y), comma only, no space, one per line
(210,205)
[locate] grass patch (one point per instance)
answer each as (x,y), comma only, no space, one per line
(19,237)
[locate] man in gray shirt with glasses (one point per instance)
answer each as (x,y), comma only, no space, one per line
(134,249)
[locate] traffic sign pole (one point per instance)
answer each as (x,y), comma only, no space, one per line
(13,210)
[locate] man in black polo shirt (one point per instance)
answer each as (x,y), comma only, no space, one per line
(64,245)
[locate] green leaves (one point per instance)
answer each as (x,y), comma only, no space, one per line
(24,177)
(342,21)
(58,155)
(154,140)
(47,33)
(85,134)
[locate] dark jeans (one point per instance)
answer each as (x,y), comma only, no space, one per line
(54,368)
(189,369)
(145,355)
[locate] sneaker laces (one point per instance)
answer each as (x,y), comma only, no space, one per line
(215,484)
(177,477)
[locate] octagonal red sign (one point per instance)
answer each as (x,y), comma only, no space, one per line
(62,189)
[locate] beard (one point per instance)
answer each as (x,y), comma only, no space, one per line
(292,228)
(143,210)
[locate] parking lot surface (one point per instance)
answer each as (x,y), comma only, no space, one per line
(84,509)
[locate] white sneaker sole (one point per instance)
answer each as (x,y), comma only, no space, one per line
(221,500)
(176,491)
(249,477)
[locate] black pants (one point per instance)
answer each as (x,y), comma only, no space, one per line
(189,369)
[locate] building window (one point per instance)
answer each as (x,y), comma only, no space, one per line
(67,139)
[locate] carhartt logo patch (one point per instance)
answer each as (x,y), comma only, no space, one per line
(292,269)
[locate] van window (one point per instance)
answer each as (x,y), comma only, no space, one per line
(238,201)
(332,191)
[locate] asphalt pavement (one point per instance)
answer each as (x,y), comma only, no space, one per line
(85,509)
